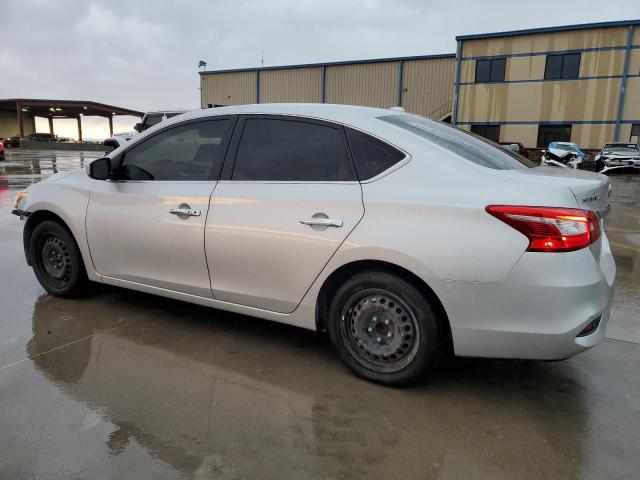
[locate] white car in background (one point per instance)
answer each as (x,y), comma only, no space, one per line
(148,120)
(402,237)
(618,155)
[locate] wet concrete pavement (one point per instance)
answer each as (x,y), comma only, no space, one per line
(131,386)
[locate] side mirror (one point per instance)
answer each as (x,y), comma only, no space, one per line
(99,169)
(138,127)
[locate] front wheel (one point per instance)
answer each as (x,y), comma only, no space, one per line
(384,328)
(56,260)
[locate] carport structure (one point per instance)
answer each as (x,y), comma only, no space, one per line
(51,109)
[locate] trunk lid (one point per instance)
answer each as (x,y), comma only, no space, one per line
(591,190)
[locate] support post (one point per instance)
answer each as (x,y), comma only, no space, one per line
(456,89)
(623,84)
(79,118)
(50,125)
(400,82)
(20,118)
(111,125)
(323,83)
(257,86)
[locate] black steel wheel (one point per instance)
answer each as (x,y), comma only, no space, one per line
(384,328)
(56,260)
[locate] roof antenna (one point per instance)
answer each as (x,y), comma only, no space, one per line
(262,59)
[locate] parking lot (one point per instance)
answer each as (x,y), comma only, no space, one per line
(130,386)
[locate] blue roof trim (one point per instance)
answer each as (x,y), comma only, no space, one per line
(537,80)
(563,28)
(551,52)
(329,64)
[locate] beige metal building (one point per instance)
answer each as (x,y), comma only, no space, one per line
(421,84)
(578,83)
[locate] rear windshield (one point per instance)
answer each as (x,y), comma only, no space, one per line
(469,146)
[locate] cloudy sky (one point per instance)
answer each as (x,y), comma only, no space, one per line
(144,54)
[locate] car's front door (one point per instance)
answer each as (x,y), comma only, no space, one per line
(287,200)
(147,224)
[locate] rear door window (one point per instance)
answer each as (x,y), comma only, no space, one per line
(370,155)
(467,145)
(273,149)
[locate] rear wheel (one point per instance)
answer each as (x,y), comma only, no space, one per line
(56,260)
(384,328)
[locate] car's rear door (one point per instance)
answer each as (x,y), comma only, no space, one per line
(147,224)
(287,199)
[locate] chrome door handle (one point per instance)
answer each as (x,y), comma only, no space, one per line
(188,212)
(323,222)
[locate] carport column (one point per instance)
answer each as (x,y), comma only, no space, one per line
(20,119)
(111,125)
(50,125)
(79,117)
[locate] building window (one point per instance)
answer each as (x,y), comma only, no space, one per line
(490,132)
(562,66)
(553,133)
(635,133)
(491,70)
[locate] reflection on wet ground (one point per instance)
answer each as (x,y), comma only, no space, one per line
(129,386)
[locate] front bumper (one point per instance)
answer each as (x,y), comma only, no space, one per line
(538,311)
(615,163)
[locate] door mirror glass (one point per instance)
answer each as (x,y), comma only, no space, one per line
(138,127)
(99,169)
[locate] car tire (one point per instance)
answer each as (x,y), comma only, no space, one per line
(599,165)
(384,328)
(56,260)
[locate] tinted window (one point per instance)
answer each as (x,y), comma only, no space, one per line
(490,132)
(483,70)
(490,70)
(187,152)
(497,69)
(289,150)
(371,156)
(562,66)
(553,133)
(465,144)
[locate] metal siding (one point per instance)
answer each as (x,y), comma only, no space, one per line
(291,85)
(428,86)
(540,101)
(369,84)
(228,88)
(556,41)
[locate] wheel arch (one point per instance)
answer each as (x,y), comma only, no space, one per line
(342,273)
(35,219)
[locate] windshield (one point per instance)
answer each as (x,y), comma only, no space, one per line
(152,120)
(628,148)
(467,145)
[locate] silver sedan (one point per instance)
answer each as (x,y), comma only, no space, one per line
(403,238)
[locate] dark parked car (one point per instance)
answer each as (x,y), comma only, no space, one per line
(12,142)
(42,137)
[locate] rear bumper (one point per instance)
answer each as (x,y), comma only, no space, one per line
(538,311)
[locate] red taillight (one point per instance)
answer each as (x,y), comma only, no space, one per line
(550,229)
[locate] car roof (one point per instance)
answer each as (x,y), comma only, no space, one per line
(347,114)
